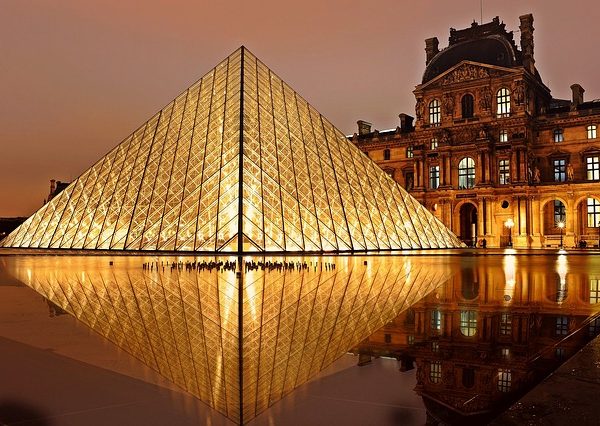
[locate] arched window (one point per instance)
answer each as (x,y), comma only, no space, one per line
(503,102)
(466,104)
(466,173)
(435,112)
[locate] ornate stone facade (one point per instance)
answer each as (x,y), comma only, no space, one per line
(491,147)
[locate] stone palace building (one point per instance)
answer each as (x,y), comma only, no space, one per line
(490,152)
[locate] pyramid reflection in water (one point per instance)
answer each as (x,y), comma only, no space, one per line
(239,162)
(186,324)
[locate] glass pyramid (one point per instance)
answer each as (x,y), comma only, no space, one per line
(239,162)
(239,341)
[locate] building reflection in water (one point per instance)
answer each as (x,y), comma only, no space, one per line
(239,338)
(491,333)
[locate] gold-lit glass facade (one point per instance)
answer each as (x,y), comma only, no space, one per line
(239,162)
(239,341)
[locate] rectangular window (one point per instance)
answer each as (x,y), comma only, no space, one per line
(592,166)
(559,135)
(505,353)
(593,213)
(560,170)
(434,143)
(434,177)
(503,135)
(504,172)
(559,353)
(386,154)
(435,346)
(591,131)
(410,339)
(505,324)
(409,152)
(562,326)
(436,320)
(435,372)
(387,337)
(504,379)
(594,290)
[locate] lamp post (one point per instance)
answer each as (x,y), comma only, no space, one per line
(561,225)
(509,224)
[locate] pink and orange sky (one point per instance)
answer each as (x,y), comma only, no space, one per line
(76,77)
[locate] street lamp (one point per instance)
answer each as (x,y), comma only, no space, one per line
(509,224)
(561,225)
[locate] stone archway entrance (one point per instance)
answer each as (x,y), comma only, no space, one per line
(468,224)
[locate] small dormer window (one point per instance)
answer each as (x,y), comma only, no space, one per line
(386,154)
(409,152)
(503,137)
(434,143)
(558,135)
(591,131)
(435,113)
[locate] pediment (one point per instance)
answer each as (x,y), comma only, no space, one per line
(466,71)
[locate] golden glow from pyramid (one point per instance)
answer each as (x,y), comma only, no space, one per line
(239,162)
(186,324)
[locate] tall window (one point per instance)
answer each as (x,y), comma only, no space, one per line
(503,102)
(466,104)
(562,326)
(505,324)
(592,166)
(559,135)
(386,154)
(435,372)
(436,320)
(560,170)
(435,112)
(387,338)
(594,290)
(591,131)
(504,172)
(560,211)
(593,213)
(503,135)
(468,323)
(504,380)
(466,173)
(409,152)
(434,177)
(434,143)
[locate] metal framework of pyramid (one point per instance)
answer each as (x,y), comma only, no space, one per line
(239,162)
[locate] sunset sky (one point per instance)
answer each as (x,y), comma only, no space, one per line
(76,77)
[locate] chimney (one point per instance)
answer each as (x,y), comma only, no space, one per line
(406,122)
(526,28)
(431,48)
(364,127)
(52,186)
(577,92)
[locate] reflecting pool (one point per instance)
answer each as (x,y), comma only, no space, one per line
(242,333)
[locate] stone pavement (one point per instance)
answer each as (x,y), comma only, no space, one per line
(567,397)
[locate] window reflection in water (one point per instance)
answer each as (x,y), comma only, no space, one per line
(501,332)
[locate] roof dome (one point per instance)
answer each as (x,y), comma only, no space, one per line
(493,50)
